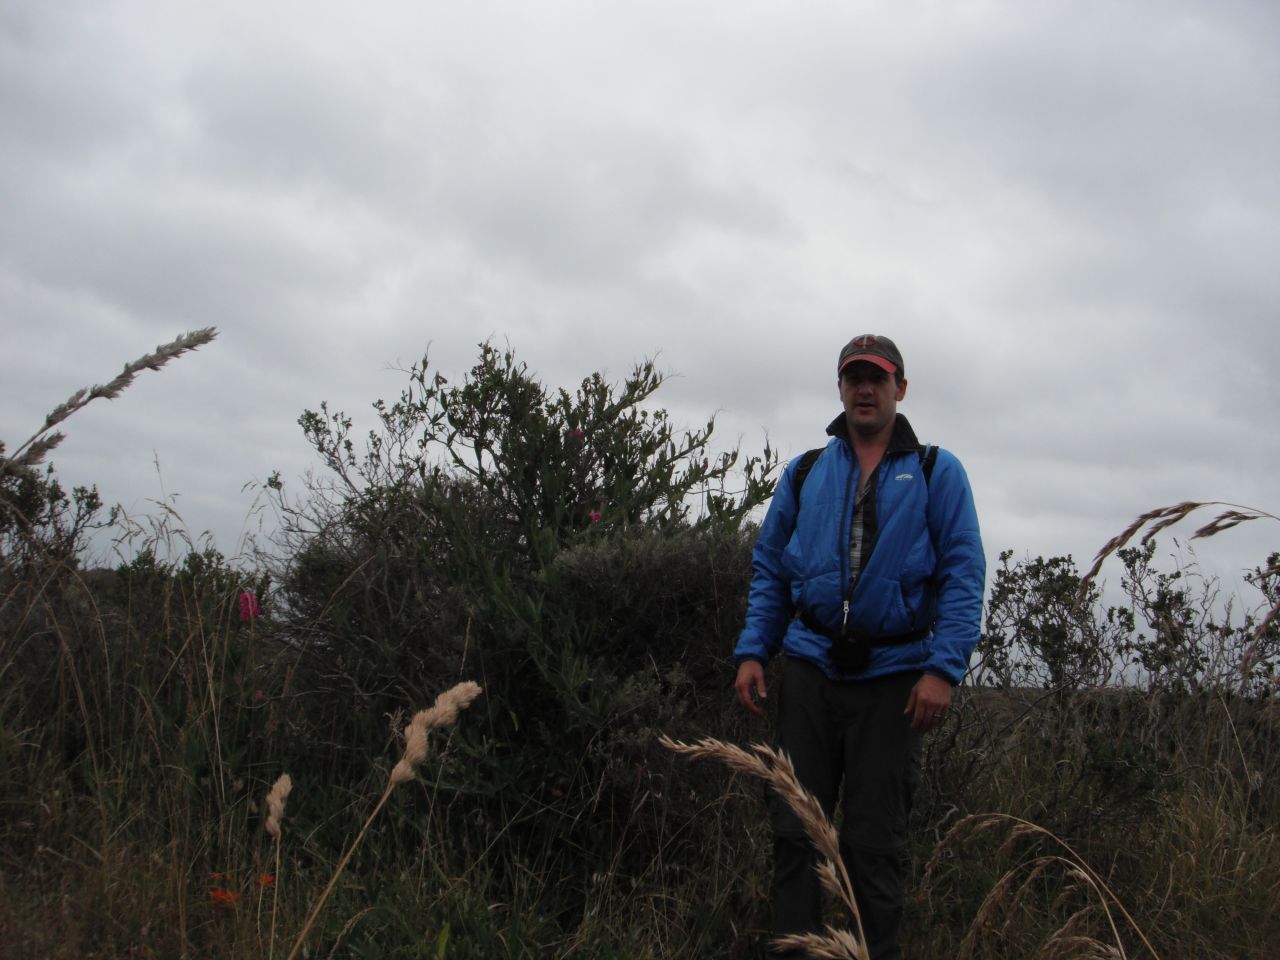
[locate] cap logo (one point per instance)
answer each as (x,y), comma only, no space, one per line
(864,342)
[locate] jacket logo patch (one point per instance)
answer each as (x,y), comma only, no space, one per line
(903,476)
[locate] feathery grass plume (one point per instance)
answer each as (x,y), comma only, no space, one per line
(276,799)
(832,944)
(1073,864)
(964,832)
(35,454)
(1040,866)
(444,712)
(1030,870)
(1163,517)
(775,768)
(1080,948)
(1070,926)
(415,750)
(1010,841)
(38,445)
(982,920)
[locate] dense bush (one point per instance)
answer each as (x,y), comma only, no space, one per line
(575,554)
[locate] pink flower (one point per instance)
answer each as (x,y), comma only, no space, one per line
(249,607)
(577,433)
(595,516)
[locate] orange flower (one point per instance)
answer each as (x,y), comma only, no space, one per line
(266,879)
(227,899)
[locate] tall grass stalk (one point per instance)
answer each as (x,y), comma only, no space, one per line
(1075,865)
(442,713)
(1163,517)
(774,768)
(276,799)
(34,449)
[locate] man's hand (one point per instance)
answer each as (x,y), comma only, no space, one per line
(928,704)
(751,681)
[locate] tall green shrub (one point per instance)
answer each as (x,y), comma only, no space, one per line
(575,553)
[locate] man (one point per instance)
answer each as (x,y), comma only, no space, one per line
(868,575)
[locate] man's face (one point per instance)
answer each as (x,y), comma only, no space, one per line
(870,397)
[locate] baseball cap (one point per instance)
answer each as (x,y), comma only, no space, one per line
(881,351)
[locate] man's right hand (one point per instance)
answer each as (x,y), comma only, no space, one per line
(751,681)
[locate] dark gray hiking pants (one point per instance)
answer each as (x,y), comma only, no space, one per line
(850,733)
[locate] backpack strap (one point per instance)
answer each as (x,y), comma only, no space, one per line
(802,471)
(928,457)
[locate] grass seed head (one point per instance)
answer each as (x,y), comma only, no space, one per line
(440,714)
(449,704)
(831,944)
(275,803)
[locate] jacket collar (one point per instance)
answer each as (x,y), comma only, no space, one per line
(902,440)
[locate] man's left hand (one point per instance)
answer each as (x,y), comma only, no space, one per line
(929,702)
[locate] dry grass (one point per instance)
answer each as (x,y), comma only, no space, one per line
(276,799)
(442,713)
(1092,919)
(774,768)
(1163,517)
(1008,892)
(33,450)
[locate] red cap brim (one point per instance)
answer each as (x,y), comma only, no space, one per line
(888,366)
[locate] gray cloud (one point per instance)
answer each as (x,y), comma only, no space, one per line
(1066,213)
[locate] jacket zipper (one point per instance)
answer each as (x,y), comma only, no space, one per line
(845,572)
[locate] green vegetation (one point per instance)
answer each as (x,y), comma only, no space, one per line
(585,562)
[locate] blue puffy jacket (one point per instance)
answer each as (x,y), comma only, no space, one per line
(926,568)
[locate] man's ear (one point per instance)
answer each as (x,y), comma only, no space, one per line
(902,388)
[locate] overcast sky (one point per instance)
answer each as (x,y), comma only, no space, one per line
(1066,213)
